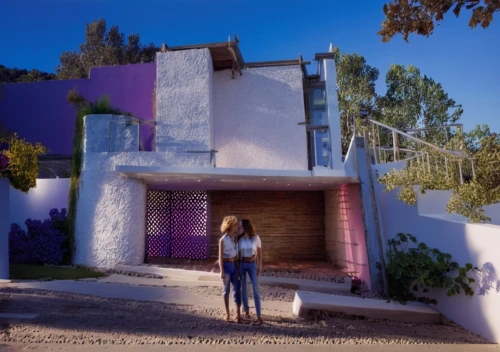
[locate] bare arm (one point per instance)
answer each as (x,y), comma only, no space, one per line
(221,264)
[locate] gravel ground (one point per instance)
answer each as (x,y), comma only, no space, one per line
(81,319)
(267,293)
(305,276)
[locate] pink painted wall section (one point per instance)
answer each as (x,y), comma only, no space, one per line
(345,232)
(357,233)
(39,111)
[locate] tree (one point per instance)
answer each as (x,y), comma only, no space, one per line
(419,16)
(356,82)
(413,100)
(20,161)
(15,75)
(103,47)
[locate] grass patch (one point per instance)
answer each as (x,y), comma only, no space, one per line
(37,272)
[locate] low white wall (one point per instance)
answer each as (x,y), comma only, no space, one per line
(36,204)
(256,116)
(433,203)
(466,242)
(4,228)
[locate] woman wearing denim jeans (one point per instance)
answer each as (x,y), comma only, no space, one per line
(250,250)
(228,260)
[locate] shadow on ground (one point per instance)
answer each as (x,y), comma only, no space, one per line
(70,318)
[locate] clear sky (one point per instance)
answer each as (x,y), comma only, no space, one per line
(465,61)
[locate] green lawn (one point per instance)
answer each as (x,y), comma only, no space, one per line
(34,272)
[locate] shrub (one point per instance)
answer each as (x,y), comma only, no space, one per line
(411,269)
(43,243)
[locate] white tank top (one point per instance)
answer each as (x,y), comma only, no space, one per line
(230,249)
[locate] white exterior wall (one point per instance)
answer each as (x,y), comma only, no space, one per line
(256,116)
(4,228)
(466,242)
(36,204)
(111,218)
(183,100)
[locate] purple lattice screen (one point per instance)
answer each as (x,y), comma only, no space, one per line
(177,224)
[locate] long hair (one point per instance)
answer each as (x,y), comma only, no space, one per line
(227,223)
(248,227)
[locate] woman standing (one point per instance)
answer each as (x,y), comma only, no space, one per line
(228,255)
(250,250)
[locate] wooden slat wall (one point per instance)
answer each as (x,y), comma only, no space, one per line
(290,224)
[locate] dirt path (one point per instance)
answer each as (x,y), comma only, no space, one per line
(80,319)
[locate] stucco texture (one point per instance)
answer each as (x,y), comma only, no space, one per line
(256,118)
(111,220)
(183,100)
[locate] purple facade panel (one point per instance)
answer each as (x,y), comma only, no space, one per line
(39,111)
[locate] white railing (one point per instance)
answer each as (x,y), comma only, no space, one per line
(414,149)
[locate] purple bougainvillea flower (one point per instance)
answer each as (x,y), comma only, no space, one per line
(43,243)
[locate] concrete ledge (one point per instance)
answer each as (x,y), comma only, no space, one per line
(193,275)
(412,312)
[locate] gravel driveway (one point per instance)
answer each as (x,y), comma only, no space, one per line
(81,319)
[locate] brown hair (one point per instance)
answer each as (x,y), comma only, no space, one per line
(248,227)
(227,223)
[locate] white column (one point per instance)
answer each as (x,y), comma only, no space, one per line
(4,228)
(330,74)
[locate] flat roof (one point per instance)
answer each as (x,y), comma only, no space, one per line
(227,55)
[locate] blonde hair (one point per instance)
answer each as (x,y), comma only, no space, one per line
(227,223)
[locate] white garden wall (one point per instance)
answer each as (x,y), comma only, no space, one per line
(256,116)
(4,228)
(475,243)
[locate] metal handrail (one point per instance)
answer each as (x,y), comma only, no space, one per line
(455,153)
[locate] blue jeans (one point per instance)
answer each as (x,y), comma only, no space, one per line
(231,278)
(251,269)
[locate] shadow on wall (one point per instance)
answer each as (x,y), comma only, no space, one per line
(467,243)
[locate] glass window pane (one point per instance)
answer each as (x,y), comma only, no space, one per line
(319,97)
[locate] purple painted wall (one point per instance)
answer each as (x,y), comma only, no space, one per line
(39,111)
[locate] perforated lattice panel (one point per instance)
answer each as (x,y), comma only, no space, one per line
(177,224)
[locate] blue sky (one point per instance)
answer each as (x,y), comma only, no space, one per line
(465,61)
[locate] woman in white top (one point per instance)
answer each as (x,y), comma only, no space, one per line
(228,260)
(250,251)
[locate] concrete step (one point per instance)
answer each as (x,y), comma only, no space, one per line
(214,279)
(412,312)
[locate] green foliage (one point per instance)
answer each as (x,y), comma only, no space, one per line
(103,47)
(356,81)
(413,100)
(418,16)
(22,170)
(429,173)
(83,108)
(15,75)
(414,267)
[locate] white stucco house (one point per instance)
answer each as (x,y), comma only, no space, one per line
(258,140)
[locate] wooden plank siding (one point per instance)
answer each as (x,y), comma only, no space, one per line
(291,224)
